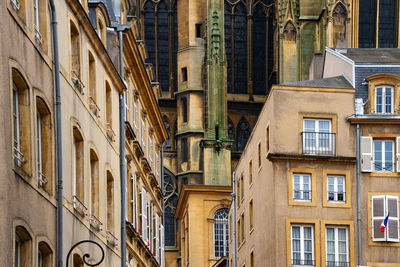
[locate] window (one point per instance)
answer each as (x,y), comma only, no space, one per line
(40,21)
(45,255)
(302,245)
(383,156)
(77,163)
(383,206)
(251,215)
(143,214)
(238,191)
(44,146)
(198,30)
(150,151)
(21,122)
(251,170)
(336,189)
(243,134)
(92,79)
(184,110)
(252,259)
(259,155)
(185,150)
(378,155)
(108,106)
(241,229)
(94,185)
(302,187)
(267,140)
(317,137)
(337,247)
(242,188)
(221,233)
(184,74)
(134,202)
(77,261)
(143,135)
(22,247)
(384,100)
(76,57)
(110,202)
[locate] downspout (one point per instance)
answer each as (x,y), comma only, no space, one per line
(58,137)
(234,218)
(358,196)
(122,151)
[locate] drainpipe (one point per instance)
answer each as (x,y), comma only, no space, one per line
(358,196)
(234,218)
(58,137)
(122,151)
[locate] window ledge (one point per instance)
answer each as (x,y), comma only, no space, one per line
(384,174)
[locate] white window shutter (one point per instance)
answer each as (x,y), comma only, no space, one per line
(151,227)
(162,247)
(133,200)
(143,215)
(398,153)
(378,215)
(392,204)
(157,243)
(366,153)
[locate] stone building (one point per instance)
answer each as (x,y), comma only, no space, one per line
(91,93)
(297,179)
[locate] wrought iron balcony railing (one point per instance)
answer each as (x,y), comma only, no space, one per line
(317,143)
(304,195)
(337,264)
(337,196)
(303,262)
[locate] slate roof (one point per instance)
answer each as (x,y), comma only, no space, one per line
(332,82)
(372,55)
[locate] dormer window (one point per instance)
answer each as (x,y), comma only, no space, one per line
(384,100)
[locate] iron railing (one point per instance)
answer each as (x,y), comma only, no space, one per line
(336,196)
(317,143)
(337,264)
(303,262)
(302,195)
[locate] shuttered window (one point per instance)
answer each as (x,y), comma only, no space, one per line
(379,155)
(134,202)
(381,207)
(144,214)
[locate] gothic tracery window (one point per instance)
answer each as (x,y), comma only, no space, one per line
(170,201)
(243,134)
(221,233)
(339,16)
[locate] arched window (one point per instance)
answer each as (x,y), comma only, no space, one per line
(339,16)
(94,185)
(228,43)
(240,49)
(21,122)
(260,44)
(40,11)
(290,52)
(44,143)
(76,57)
(77,261)
(221,233)
(243,134)
(45,255)
(77,162)
(166,123)
(92,80)
(170,200)
(110,202)
(22,247)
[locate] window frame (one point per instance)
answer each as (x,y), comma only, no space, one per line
(383,103)
(302,177)
(383,155)
(312,173)
(346,174)
(224,223)
(317,147)
(336,241)
(302,240)
(335,188)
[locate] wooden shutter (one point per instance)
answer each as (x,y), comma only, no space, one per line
(378,215)
(392,204)
(366,154)
(143,214)
(398,153)
(162,247)
(133,201)
(157,243)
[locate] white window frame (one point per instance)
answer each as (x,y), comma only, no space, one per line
(336,240)
(383,155)
(17,251)
(36,14)
(302,191)
(383,103)
(302,260)
(126,104)
(335,188)
(74,162)
(17,138)
(222,222)
(317,131)
(39,144)
(134,201)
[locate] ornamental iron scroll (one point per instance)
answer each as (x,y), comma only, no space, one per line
(86,255)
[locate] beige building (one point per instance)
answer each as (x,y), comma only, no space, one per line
(296,189)
(91,89)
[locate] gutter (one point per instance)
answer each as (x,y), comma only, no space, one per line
(60,196)
(358,195)
(162,203)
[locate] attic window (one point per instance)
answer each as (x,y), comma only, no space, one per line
(184,74)
(198,30)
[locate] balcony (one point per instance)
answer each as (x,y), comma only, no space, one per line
(318,143)
(302,195)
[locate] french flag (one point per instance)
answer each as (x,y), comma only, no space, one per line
(384,223)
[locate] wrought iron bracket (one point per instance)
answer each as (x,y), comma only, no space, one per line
(86,255)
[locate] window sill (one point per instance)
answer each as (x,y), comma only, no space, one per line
(342,205)
(302,203)
(384,174)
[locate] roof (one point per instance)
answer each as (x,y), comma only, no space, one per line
(332,82)
(372,55)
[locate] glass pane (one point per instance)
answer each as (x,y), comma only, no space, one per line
(307,246)
(324,126)
(296,231)
(309,125)
(307,232)
(388,156)
(330,234)
(378,100)
(378,155)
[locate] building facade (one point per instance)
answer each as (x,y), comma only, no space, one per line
(297,180)
(91,87)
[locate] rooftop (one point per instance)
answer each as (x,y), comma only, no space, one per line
(332,82)
(372,55)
